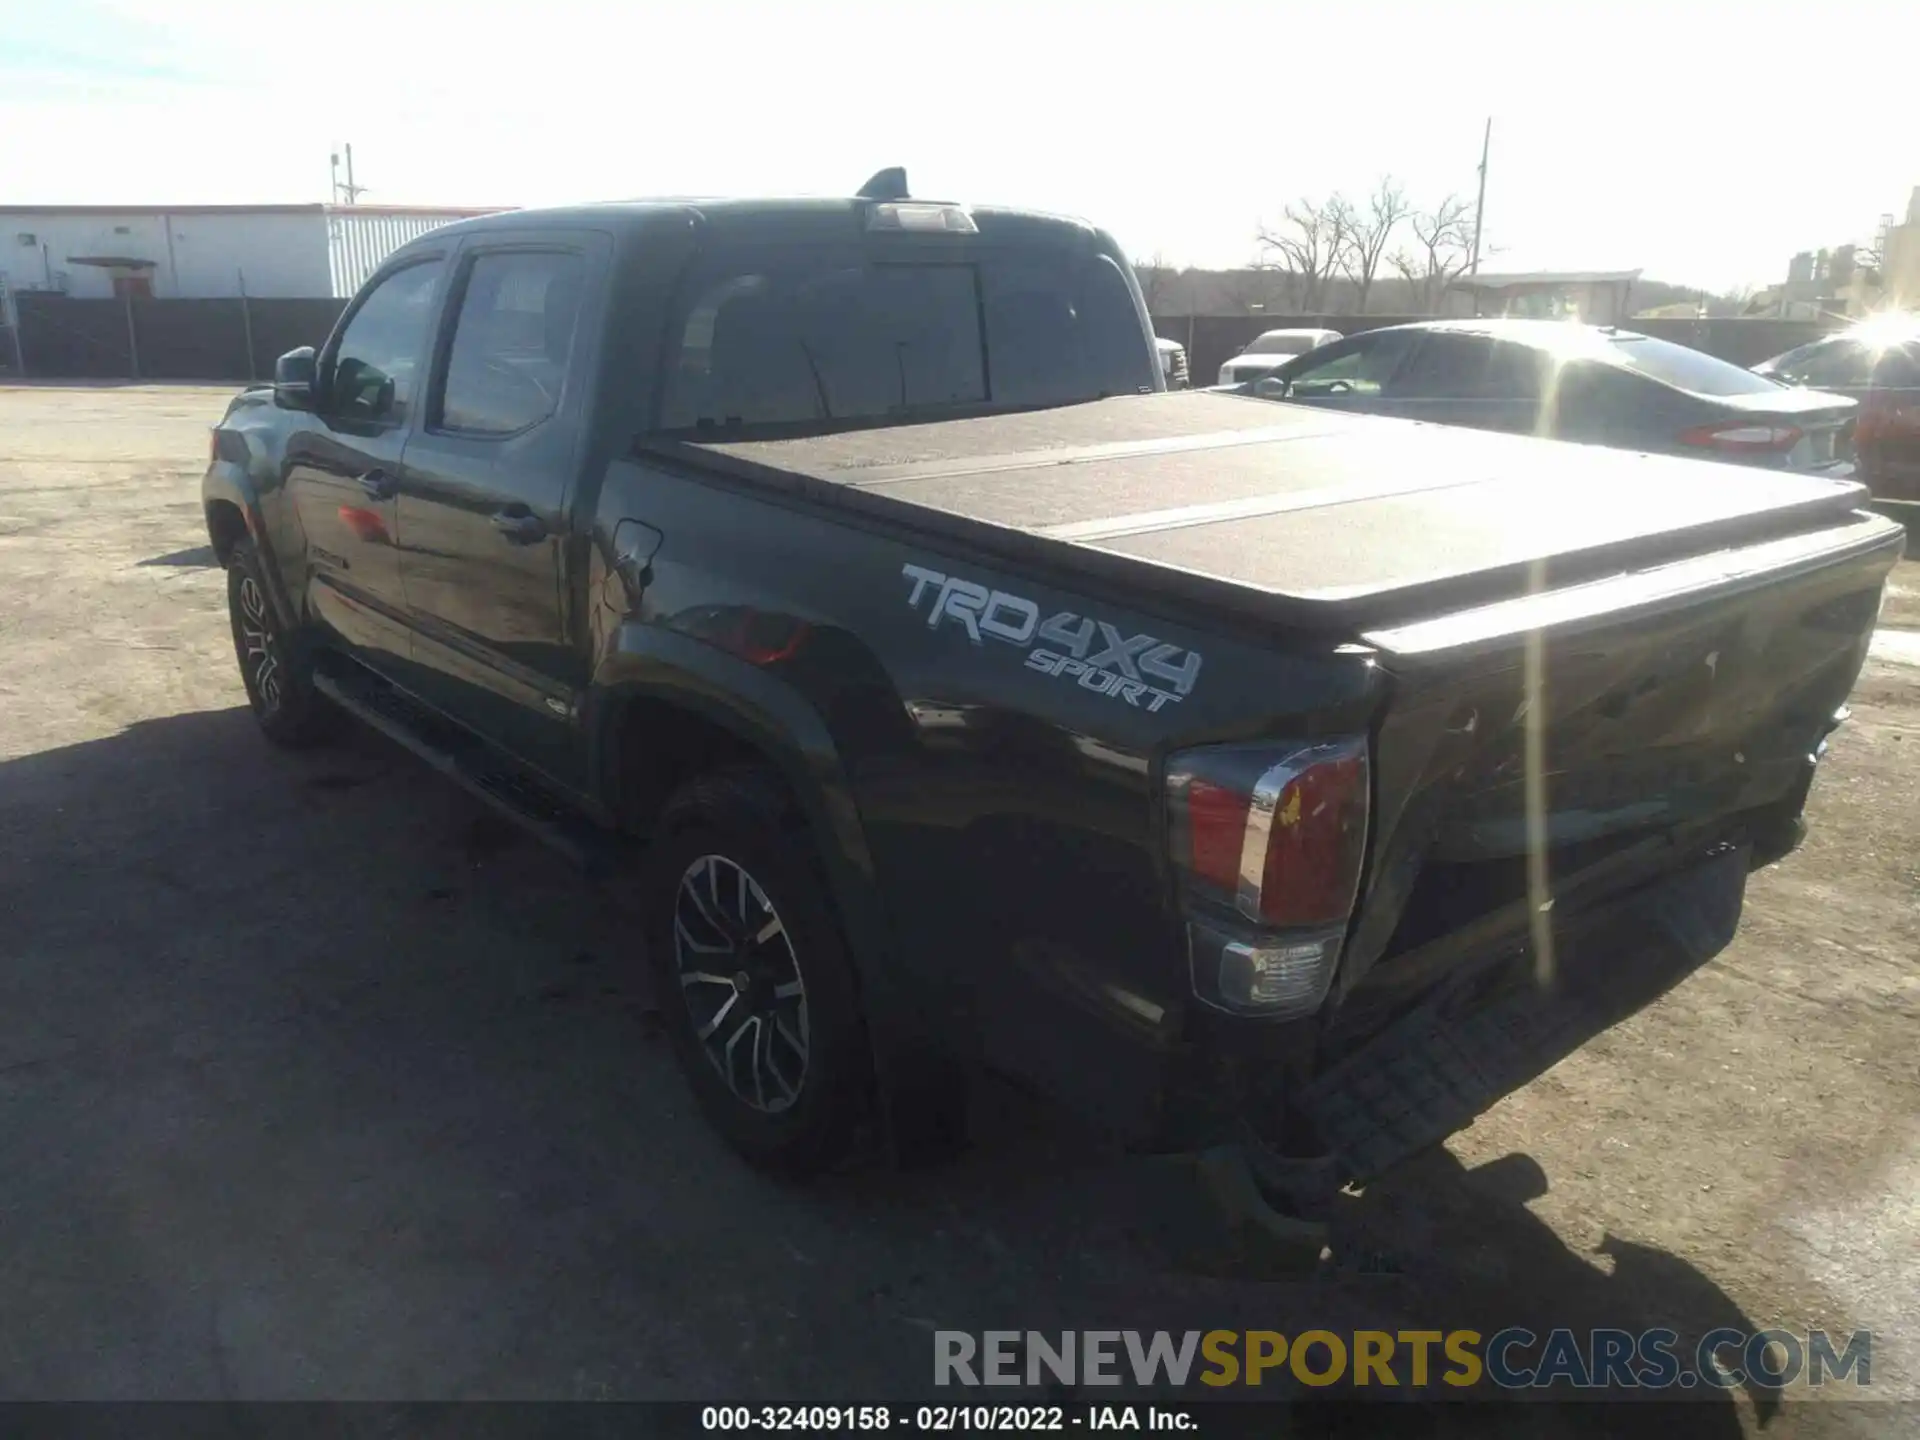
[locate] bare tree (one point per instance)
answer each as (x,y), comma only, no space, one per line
(1868,260)
(1309,241)
(1367,233)
(1153,275)
(1444,238)
(1255,291)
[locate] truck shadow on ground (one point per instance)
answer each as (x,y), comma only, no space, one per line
(317,1081)
(193,557)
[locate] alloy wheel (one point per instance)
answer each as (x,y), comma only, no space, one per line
(741,982)
(262,655)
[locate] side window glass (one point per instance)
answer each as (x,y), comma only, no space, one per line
(1591,399)
(1360,366)
(1515,373)
(1469,367)
(508,361)
(375,367)
(1837,362)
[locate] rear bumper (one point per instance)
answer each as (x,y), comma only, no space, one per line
(1491,1031)
(1437,1034)
(1905,510)
(1482,1022)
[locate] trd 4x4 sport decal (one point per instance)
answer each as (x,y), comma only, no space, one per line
(1139,669)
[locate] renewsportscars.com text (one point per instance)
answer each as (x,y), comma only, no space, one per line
(1511,1359)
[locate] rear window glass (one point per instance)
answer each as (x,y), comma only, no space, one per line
(818,338)
(1688,369)
(1898,367)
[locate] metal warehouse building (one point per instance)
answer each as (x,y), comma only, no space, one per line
(192,252)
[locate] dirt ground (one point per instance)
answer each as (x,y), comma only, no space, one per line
(315,1082)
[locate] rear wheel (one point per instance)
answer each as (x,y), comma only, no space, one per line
(752,975)
(278,673)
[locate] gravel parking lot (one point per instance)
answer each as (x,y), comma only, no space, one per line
(314,1085)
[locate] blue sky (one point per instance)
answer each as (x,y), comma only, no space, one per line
(1704,142)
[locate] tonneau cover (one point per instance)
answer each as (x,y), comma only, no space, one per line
(1312,516)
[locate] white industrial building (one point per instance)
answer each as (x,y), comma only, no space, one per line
(205,251)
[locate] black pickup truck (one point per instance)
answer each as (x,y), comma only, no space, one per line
(1241,774)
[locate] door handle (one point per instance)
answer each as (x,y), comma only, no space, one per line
(519,526)
(379,485)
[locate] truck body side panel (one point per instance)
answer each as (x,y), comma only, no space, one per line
(1006,788)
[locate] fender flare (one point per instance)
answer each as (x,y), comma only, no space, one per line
(921,1091)
(773,717)
(229,483)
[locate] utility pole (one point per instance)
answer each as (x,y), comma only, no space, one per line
(348,193)
(10,322)
(1480,204)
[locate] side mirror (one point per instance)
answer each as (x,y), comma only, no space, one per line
(294,379)
(1272,387)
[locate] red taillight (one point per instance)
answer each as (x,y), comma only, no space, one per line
(1278,833)
(1744,437)
(1216,817)
(1268,843)
(1315,841)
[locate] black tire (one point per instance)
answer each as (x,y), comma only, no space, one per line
(276,669)
(745,821)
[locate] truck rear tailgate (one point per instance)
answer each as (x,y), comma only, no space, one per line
(1535,739)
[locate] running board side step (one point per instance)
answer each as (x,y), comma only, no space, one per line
(473,764)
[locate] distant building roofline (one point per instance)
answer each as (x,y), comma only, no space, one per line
(314,208)
(464,211)
(1540,278)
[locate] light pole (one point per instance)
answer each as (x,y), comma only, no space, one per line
(1480,202)
(350,191)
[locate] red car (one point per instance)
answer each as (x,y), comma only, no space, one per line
(1878,364)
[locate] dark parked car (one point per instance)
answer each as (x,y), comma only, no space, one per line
(1878,365)
(834,573)
(1573,382)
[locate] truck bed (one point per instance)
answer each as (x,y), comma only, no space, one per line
(1307,516)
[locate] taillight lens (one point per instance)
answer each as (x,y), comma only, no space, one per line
(1268,843)
(1744,437)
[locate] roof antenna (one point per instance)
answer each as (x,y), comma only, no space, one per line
(888,184)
